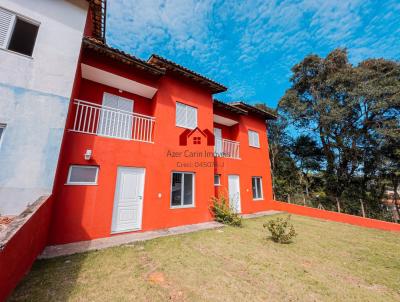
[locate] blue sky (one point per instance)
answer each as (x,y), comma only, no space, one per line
(250,46)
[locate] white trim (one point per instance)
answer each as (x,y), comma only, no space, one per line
(261,188)
(182,206)
(114,80)
(77,183)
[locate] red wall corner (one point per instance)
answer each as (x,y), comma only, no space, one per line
(22,249)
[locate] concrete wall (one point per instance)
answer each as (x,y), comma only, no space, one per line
(21,242)
(34,97)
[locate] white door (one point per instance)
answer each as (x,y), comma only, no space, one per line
(116,117)
(218,140)
(234,193)
(128,200)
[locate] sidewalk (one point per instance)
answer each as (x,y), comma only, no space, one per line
(102,243)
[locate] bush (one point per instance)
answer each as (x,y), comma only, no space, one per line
(223,213)
(281,230)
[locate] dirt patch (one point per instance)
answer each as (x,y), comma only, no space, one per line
(156,277)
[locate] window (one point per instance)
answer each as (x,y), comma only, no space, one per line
(82,175)
(217,180)
(186,116)
(256,184)
(118,122)
(17,33)
(2,129)
(254,140)
(182,189)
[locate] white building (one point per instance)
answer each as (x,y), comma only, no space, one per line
(40,43)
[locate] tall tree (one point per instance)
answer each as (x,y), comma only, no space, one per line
(308,157)
(352,110)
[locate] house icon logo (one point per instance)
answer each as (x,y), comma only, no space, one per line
(196,136)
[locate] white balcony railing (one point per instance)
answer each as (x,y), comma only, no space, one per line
(227,148)
(101,120)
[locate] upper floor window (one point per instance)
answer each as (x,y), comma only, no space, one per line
(254,140)
(2,128)
(186,116)
(17,33)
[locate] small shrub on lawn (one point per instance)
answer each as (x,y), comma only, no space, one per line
(281,229)
(223,213)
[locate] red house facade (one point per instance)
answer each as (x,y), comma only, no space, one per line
(122,165)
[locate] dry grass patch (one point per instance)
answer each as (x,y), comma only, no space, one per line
(327,262)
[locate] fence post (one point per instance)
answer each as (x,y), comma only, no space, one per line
(338,204)
(362,208)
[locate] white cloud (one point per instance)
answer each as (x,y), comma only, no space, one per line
(247,44)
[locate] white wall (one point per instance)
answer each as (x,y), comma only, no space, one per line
(56,50)
(34,98)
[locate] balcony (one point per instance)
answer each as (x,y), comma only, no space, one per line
(227,148)
(91,118)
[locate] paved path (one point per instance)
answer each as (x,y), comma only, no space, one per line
(259,214)
(97,244)
(101,243)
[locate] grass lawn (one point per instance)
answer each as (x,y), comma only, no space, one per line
(327,262)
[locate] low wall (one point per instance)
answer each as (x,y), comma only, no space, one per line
(334,216)
(22,241)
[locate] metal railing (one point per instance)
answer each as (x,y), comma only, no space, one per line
(227,148)
(101,120)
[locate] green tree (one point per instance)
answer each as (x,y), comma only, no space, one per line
(352,111)
(308,158)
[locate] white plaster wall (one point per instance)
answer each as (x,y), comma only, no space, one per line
(34,98)
(55,55)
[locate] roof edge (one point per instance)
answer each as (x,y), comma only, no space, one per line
(101,47)
(265,114)
(228,107)
(157,60)
(98,9)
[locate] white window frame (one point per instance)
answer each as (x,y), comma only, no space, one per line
(182,190)
(219,180)
(254,139)
(77,183)
(186,123)
(2,126)
(261,188)
(11,30)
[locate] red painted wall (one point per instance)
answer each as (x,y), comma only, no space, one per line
(334,216)
(85,212)
(253,162)
(22,249)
